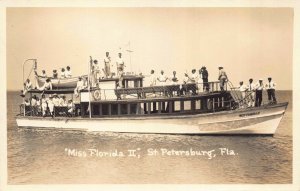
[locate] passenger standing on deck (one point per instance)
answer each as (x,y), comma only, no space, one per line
(44,105)
(51,106)
(194,76)
(120,64)
(258,91)
(270,86)
(107,65)
(251,89)
(162,78)
(152,78)
(62,73)
(204,73)
(38,106)
(55,74)
(185,81)
(68,72)
(243,89)
(96,73)
(222,78)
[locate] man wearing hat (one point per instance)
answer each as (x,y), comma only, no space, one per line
(243,88)
(251,89)
(204,73)
(51,105)
(107,65)
(120,64)
(96,72)
(258,92)
(270,86)
(222,78)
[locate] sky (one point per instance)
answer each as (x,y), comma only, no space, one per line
(248,42)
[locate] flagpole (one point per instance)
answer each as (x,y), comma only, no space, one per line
(89,86)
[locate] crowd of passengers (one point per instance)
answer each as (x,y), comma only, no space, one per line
(251,93)
(46,106)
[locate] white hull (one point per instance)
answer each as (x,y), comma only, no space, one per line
(264,120)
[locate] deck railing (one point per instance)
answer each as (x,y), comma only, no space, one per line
(175,90)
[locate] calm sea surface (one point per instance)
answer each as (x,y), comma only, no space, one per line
(40,156)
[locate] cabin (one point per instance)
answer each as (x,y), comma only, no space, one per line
(132,99)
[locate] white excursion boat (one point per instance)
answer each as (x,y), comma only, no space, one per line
(169,109)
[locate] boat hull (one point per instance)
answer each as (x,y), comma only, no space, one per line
(262,120)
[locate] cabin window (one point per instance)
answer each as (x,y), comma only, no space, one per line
(198,105)
(95,109)
(176,106)
(187,105)
(105,109)
(124,109)
(114,109)
(133,108)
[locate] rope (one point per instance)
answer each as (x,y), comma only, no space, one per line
(30,71)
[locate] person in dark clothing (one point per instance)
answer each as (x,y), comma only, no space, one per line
(204,74)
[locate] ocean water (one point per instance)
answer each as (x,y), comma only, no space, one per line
(53,156)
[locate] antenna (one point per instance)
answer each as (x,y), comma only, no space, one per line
(129,51)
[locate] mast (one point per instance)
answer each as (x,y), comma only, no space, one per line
(25,62)
(89,85)
(130,51)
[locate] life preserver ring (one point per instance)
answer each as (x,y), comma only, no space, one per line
(97,95)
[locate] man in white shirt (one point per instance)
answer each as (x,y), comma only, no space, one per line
(270,86)
(51,106)
(44,105)
(162,78)
(80,86)
(194,77)
(62,101)
(243,88)
(120,64)
(258,92)
(71,107)
(68,72)
(55,100)
(107,65)
(152,78)
(222,78)
(27,86)
(33,101)
(251,88)
(63,73)
(96,73)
